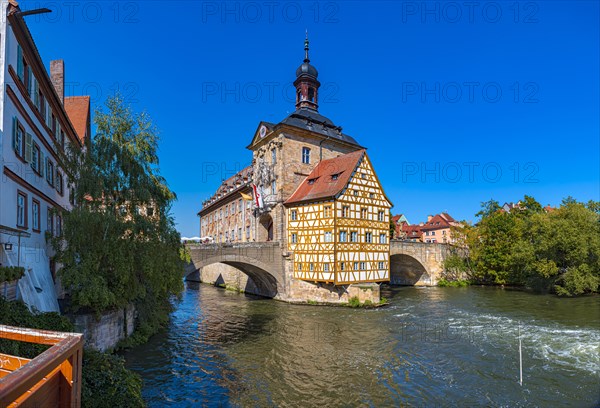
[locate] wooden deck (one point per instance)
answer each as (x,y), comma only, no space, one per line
(52,379)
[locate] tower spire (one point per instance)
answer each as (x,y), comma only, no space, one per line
(306,59)
(306,83)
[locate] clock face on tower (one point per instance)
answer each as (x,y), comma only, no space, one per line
(262,131)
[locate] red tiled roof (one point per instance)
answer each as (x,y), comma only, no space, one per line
(78,111)
(438,221)
(396,217)
(412,231)
(320,184)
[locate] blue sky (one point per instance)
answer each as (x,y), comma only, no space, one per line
(456,104)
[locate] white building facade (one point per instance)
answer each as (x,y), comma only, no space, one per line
(35,127)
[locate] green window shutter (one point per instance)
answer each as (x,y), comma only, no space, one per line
(20,62)
(29,84)
(28,147)
(14,133)
(42,164)
(47,165)
(36,94)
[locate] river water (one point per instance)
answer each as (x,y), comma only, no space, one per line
(429,347)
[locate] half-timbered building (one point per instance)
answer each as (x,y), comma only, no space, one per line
(338,223)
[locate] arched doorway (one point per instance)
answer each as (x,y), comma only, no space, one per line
(406,270)
(265,231)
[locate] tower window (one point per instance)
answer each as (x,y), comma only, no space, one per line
(311,94)
(305,155)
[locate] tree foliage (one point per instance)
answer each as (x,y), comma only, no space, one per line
(555,251)
(119,244)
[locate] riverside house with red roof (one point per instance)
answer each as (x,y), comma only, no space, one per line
(438,229)
(338,223)
(37,123)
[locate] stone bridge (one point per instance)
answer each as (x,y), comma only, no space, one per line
(264,268)
(262,262)
(416,263)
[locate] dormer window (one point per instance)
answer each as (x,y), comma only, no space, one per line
(335,176)
(312,180)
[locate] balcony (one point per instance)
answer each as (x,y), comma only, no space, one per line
(52,379)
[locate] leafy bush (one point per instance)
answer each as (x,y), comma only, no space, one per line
(107,383)
(11,273)
(459,283)
(354,302)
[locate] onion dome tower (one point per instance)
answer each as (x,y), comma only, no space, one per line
(306,83)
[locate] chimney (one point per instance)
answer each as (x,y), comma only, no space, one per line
(57,75)
(429,217)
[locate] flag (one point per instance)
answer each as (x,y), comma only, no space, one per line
(258,200)
(246,197)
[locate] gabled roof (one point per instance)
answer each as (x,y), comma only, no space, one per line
(439,221)
(328,179)
(78,111)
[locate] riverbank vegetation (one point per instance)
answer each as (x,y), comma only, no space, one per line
(119,245)
(105,380)
(549,250)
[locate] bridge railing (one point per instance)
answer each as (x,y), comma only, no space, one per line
(53,378)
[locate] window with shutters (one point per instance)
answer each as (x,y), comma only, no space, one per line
(50,221)
(49,172)
(36,156)
(59,183)
(42,104)
(21,209)
(18,138)
(35,214)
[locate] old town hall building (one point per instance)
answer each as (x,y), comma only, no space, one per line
(312,188)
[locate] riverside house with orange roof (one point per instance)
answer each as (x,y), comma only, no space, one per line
(37,123)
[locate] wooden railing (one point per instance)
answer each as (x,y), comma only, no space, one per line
(52,379)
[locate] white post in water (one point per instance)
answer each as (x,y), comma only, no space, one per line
(520,358)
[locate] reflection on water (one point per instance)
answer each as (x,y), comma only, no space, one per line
(431,346)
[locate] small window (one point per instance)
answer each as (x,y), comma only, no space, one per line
(294,238)
(335,176)
(273,156)
(355,192)
(380,216)
(50,172)
(343,236)
(273,188)
(21,210)
(50,221)
(345,211)
(299,266)
(363,266)
(381,265)
(305,155)
(150,213)
(371,195)
(328,236)
(363,176)
(355,266)
(325,267)
(363,213)
(353,236)
(368,237)
(342,266)
(382,238)
(35,214)
(312,267)
(35,159)
(327,211)
(294,215)
(311,181)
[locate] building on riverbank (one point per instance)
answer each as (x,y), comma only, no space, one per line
(37,124)
(288,160)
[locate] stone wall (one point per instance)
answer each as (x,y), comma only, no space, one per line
(104,333)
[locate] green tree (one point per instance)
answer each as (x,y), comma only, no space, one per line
(119,244)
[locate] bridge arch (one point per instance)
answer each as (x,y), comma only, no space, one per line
(407,270)
(267,280)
